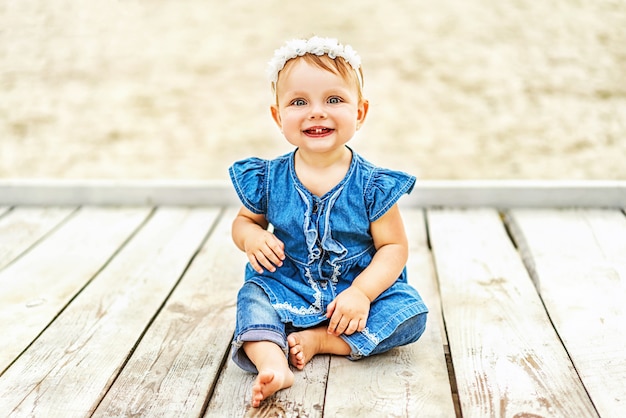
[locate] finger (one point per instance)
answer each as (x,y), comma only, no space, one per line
(278,248)
(362,324)
(332,325)
(352,327)
(330,309)
(254,263)
(274,243)
(272,257)
(341,327)
(344,324)
(264,262)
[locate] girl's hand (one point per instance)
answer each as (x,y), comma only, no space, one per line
(348,312)
(264,250)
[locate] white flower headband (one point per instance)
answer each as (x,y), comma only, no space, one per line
(317,46)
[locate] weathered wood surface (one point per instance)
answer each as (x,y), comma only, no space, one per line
(73,362)
(507,357)
(36,287)
(179,358)
(130,312)
(578,260)
(23,227)
(426,193)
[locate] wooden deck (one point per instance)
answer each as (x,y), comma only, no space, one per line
(128,310)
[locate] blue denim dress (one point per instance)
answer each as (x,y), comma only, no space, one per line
(327,242)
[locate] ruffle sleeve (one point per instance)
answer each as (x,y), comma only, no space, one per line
(249,177)
(385,188)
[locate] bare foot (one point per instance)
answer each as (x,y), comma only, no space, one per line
(304,345)
(269,382)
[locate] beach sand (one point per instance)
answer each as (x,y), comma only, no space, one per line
(473,89)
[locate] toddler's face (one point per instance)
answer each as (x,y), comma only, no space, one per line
(317,110)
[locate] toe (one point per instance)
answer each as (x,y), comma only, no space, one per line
(291,340)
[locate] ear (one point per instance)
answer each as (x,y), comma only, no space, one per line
(362,113)
(276,116)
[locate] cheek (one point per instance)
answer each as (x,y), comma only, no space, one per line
(291,117)
(287,121)
(350,117)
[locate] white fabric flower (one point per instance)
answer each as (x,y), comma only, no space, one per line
(352,57)
(315,45)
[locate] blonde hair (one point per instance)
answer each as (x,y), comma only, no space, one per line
(336,65)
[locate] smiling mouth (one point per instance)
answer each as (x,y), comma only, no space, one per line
(318,131)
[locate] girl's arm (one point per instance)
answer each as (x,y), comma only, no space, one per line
(349,311)
(392,253)
(250,235)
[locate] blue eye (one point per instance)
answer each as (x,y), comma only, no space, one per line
(334,100)
(299,102)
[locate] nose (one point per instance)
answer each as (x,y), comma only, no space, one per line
(317,111)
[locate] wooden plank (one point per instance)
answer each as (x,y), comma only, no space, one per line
(405,382)
(178,360)
(67,370)
(427,193)
(36,287)
(23,227)
(117,192)
(578,258)
(507,357)
(519,193)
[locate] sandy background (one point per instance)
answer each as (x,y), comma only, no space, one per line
(466,89)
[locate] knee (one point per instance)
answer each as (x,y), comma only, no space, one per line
(251,293)
(414,327)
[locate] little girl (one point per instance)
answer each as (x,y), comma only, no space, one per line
(331,276)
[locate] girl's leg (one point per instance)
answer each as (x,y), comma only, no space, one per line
(260,344)
(274,373)
(407,332)
(305,344)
